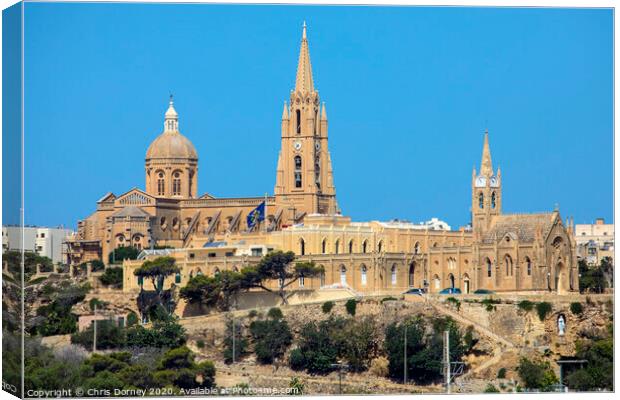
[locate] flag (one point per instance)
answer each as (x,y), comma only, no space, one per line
(256,215)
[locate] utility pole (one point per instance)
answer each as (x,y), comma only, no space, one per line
(405,358)
(446,336)
(94,326)
(233,340)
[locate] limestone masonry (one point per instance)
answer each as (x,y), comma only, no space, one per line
(501,252)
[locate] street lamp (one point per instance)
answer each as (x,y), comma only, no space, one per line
(340,367)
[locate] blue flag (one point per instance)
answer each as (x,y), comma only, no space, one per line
(256,215)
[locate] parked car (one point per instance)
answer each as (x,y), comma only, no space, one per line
(418,291)
(451,291)
(483,291)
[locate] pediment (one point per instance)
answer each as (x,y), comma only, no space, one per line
(107,197)
(135,197)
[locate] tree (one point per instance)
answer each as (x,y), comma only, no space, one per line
(219,290)
(157,271)
(351,306)
(164,333)
(112,276)
(271,339)
(536,374)
(277,266)
(123,253)
(109,336)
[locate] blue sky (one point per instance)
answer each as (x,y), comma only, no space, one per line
(409,92)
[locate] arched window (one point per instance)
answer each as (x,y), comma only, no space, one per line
(416,248)
(489,268)
(302,281)
(364,246)
(161,184)
(177,278)
(394,273)
(199,273)
(437,282)
(297,171)
(351,246)
(364,279)
(176,184)
(298,115)
(337,247)
(343,275)
(302,247)
(508,261)
(324,246)
(528,265)
(481,200)
(322,278)
(380,246)
(493,200)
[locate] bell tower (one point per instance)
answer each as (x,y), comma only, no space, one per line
(486,191)
(304,177)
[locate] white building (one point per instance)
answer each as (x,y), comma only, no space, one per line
(46,242)
(595,241)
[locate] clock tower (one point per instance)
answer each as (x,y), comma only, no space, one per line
(304,177)
(486,191)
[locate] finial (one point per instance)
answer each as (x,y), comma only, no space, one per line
(557,207)
(171,99)
(303,34)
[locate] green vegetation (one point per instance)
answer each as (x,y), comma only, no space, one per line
(491,388)
(489,303)
(271,338)
(132,319)
(536,375)
(597,373)
(424,348)
(56,317)
(157,271)
(576,308)
(97,265)
(327,307)
(275,313)
(526,305)
(235,343)
(297,385)
(163,333)
(595,279)
(109,336)
(543,309)
(119,254)
(351,306)
(322,344)
(200,344)
(501,374)
(112,276)
(388,298)
(455,302)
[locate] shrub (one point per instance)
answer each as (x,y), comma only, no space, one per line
(327,307)
(536,375)
(297,385)
(351,306)
(576,308)
(379,366)
(112,276)
(297,361)
(109,336)
(271,339)
(119,254)
(501,374)
(252,314)
(132,319)
(491,388)
(275,313)
(454,301)
(543,308)
(389,298)
(526,305)
(97,265)
(200,344)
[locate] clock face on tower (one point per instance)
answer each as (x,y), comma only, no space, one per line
(297,145)
(481,181)
(493,182)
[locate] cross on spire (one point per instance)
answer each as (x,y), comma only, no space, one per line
(303,81)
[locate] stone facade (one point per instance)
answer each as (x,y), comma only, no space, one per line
(501,252)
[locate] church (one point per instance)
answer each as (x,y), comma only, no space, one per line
(206,234)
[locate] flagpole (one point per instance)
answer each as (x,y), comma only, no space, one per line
(265,216)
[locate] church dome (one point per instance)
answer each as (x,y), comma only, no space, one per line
(171,144)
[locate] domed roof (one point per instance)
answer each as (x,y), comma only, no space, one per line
(171,144)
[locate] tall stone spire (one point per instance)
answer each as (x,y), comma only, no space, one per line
(303,81)
(486,166)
